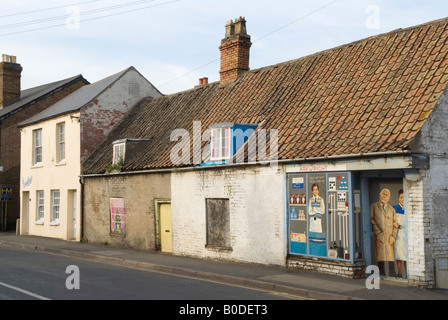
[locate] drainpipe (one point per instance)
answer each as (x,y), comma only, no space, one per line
(81,209)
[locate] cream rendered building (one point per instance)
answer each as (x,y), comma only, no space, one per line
(56,141)
(50,180)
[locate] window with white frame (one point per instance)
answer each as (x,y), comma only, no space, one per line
(119,153)
(40,205)
(61,142)
(220,144)
(56,200)
(37,146)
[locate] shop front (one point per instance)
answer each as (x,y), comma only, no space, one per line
(340,220)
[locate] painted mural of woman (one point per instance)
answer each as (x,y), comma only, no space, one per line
(400,243)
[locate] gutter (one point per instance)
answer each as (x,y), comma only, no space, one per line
(246,164)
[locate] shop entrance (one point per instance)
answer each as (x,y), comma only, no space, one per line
(385,226)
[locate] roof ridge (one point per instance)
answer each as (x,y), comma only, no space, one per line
(356,42)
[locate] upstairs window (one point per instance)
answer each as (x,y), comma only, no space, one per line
(37,146)
(61,142)
(119,153)
(220,144)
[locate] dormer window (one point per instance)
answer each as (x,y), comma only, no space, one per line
(220,144)
(125,150)
(226,139)
(119,153)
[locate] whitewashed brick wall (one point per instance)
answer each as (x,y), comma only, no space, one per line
(429,218)
(416,230)
(256,213)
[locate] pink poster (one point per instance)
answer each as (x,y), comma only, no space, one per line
(117,223)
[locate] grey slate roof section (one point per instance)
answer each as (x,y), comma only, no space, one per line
(76,100)
(32,95)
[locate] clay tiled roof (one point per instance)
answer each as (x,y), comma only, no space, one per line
(370,96)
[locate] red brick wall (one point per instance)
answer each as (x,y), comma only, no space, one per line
(235,52)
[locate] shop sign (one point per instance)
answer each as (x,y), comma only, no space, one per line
(6,193)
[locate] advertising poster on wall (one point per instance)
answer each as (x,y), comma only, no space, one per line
(319,215)
(117,220)
(297,211)
(388,220)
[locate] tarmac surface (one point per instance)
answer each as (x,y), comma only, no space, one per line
(306,284)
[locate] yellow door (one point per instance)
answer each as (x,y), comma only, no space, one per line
(166,236)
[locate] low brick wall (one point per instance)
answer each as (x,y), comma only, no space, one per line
(339,268)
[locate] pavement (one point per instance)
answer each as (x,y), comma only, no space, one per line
(307,284)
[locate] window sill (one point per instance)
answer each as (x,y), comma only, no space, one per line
(61,163)
(54,223)
(37,165)
(220,160)
(39,222)
(219,249)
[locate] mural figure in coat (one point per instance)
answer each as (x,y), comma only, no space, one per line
(385,227)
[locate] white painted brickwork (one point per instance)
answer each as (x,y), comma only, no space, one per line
(428,234)
(416,240)
(256,213)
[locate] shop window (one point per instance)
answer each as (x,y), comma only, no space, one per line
(321,215)
(218,224)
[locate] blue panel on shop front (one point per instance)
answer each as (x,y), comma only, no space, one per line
(298,248)
(318,250)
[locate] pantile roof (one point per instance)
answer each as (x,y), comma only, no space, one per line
(369,96)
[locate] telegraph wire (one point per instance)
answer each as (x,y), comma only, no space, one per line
(47,9)
(262,37)
(83,13)
(297,20)
(90,19)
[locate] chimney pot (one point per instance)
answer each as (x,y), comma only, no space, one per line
(205,80)
(230,29)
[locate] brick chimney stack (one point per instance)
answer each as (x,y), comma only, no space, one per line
(10,73)
(235,48)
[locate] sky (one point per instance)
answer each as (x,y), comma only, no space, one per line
(174,43)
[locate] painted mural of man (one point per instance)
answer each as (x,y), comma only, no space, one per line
(385,227)
(316,210)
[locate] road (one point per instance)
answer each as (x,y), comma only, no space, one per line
(31,275)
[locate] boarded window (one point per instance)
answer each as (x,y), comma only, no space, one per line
(218,223)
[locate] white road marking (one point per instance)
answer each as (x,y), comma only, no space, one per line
(24,291)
